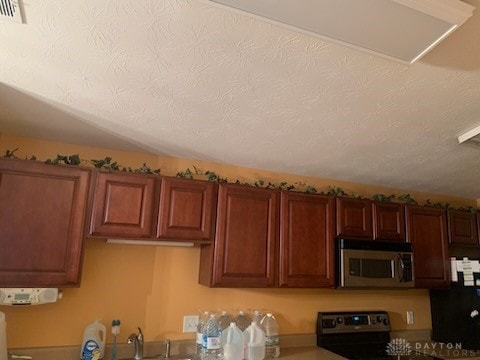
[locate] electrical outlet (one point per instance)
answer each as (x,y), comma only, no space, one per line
(410,318)
(190,323)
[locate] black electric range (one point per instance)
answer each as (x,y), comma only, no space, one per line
(362,335)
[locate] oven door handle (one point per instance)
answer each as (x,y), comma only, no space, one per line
(402,268)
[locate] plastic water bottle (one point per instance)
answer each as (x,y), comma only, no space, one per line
(242,320)
(270,326)
(232,343)
(257,317)
(201,323)
(224,320)
(212,339)
(254,343)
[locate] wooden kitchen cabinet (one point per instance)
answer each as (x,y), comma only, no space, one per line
(267,238)
(388,221)
(186,210)
(246,238)
(123,205)
(462,228)
(354,218)
(149,207)
(42,217)
(427,231)
(307,232)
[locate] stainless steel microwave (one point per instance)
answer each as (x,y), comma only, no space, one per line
(374,264)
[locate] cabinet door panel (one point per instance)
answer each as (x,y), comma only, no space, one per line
(42,215)
(246,235)
(389,221)
(354,218)
(186,210)
(123,206)
(427,231)
(462,228)
(307,231)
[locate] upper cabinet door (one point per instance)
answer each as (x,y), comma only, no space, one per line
(389,221)
(427,231)
(307,231)
(42,217)
(354,218)
(246,237)
(123,205)
(186,210)
(462,228)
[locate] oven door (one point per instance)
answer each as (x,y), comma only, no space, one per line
(366,346)
(369,345)
(375,269)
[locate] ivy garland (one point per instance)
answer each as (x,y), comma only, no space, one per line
(383,197)
(211,176)
(108,164)
(75,160)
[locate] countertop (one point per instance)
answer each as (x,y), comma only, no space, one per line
(288,353)
(293,347)
(316,353)
(292,353)
(308,353)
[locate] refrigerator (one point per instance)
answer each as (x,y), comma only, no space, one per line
(451,319)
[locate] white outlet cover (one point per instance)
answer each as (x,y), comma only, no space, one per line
(410,318)
(190,323)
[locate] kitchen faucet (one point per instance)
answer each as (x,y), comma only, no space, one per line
(167,349)
(137,339)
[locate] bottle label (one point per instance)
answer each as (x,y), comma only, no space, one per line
(212,342)
(199,338)
(271,340)
(89,349)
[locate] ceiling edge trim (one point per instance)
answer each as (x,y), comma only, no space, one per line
(432,45)
(469,135)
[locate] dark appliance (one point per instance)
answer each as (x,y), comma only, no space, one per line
(374,264)
(358,335)
(451,320)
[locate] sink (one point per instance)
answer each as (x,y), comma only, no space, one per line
(172,357)
(180,357)
(166,355)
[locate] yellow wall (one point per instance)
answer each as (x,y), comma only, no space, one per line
(153,287)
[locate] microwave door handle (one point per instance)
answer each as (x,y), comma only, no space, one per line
(402,268)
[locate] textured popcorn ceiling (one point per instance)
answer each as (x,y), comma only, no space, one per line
(188,79)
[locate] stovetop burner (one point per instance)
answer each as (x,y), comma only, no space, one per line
(361,335)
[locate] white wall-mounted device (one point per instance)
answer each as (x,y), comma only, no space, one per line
(470,137)
(29,296)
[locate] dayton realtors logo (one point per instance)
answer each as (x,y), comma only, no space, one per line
(400,347)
